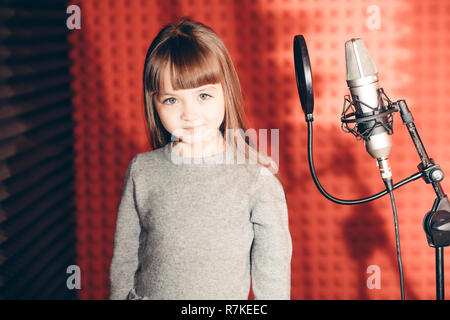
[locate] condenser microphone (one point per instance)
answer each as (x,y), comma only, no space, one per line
(370,115)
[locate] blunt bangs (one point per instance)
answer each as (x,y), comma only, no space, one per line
(192,65)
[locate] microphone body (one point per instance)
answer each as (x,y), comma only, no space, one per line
(362,81)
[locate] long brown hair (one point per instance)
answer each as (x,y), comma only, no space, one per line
(196,56)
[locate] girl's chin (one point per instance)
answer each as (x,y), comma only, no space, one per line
(200,135)
(191,141)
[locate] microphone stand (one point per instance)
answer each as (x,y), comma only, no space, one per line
(436,222)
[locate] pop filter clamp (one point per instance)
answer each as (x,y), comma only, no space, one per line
(436,222)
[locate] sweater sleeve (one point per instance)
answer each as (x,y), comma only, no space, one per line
(272,244)
(126,240)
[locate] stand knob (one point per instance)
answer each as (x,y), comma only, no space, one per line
(437,175)
(437,228)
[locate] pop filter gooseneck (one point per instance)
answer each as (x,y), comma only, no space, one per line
(306,94)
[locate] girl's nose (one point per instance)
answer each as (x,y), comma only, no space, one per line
(190,112)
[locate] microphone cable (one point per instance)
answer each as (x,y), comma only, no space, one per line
(389,189)
(397,237)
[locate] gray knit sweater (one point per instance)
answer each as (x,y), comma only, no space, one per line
(189,230)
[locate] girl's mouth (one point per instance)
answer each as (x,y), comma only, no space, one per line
(192,129)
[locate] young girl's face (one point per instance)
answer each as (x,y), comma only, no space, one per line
(192,115)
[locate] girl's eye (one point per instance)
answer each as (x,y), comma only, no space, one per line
(170,101)
(204,96)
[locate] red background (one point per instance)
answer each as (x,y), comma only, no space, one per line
(332,245)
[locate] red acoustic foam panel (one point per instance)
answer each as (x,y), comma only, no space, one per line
(333,246)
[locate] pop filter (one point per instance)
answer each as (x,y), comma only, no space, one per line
(303,76)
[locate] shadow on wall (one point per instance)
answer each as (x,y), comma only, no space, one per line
(364,228)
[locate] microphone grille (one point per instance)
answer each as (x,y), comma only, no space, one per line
(357,58)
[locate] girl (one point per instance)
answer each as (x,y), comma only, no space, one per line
(194,222)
